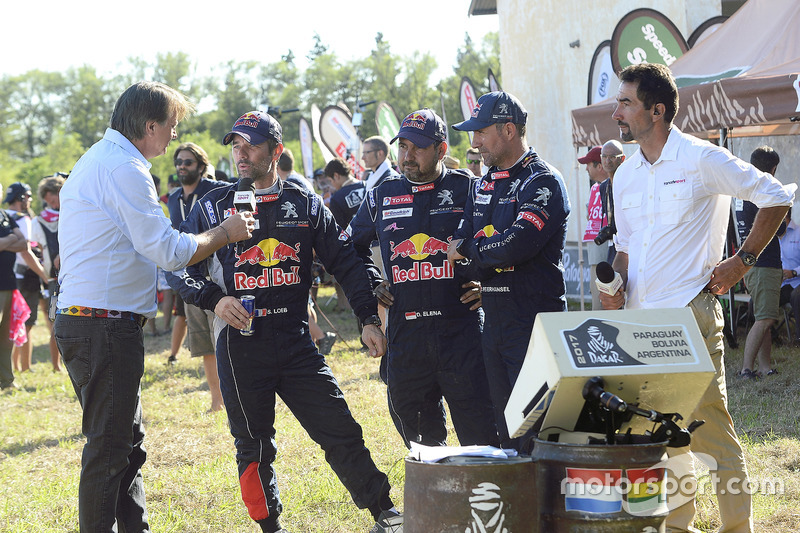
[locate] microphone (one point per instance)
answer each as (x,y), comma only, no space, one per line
(593,390)
(607,280)
(244,200)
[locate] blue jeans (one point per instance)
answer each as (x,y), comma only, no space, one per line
(105,361)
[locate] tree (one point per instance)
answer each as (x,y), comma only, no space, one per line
(86,104)
(32,111)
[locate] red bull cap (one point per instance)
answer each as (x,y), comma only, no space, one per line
(255,127)
(423,128)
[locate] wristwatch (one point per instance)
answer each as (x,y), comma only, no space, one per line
(372,320)
(747,258)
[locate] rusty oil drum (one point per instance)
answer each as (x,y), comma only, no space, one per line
(470,496)
(573,491)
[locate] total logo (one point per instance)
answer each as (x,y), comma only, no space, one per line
(268,253)
(419,247)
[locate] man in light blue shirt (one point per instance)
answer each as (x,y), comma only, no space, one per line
(112,234)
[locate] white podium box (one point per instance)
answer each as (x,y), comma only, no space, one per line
(654,358)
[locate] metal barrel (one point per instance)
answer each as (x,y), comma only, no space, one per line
(470,495)
(586,488)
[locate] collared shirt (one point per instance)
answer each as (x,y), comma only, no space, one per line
(672,216)
(380,174)
(113,232)
(790,252)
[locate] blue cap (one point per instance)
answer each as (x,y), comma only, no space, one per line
(16,191)
(423,128)
(255,127)
(498,107)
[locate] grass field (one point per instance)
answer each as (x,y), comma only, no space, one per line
(191,478)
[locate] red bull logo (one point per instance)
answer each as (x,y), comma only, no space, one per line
(422,271)
(486,231)
(418,247)
(269,277)
(414,120)
(249,120)
(268,252)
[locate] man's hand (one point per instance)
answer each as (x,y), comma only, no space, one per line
(727,274)
(788,274)
(231,310)
(384,296)
(375,340)
(239,227)
(617,301)
(452,252)
(472,294)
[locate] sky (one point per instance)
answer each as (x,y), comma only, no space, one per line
(55,35)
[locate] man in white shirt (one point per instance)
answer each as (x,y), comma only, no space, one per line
(671,205)
(112,234)
(374,156)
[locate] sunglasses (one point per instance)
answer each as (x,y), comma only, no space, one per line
(473,161)
(184,162)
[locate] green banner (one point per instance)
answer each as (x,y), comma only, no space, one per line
(646,36)
(388,126)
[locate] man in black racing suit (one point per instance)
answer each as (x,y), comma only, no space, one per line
(514,230)
(434,334)
(280,357)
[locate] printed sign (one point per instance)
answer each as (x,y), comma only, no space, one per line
(388,126)
(646,36)
(606,343)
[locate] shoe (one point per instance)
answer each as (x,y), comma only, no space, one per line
(11,386)
(326,343)
(772,372)
(748,374)
(173,360)
(388,522)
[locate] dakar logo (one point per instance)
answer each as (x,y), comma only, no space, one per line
(446,197)
(268,252)
(486,507)
(289,210)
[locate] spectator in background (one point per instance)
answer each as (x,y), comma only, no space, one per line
(595,252)
(611,158)
(763,281)
(192,166)
(44,230)
(374,154)
(28,269)
(450,162)
(286,171)
(348,193)
(474,162)
(11,241)
(790,260)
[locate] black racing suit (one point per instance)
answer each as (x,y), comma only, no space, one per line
(514,231)
(434,339)
(280,357)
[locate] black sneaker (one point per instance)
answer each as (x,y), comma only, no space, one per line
(748,374)
(388,522)
(326,343)
(173,360)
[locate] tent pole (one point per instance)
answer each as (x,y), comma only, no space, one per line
(577,171)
